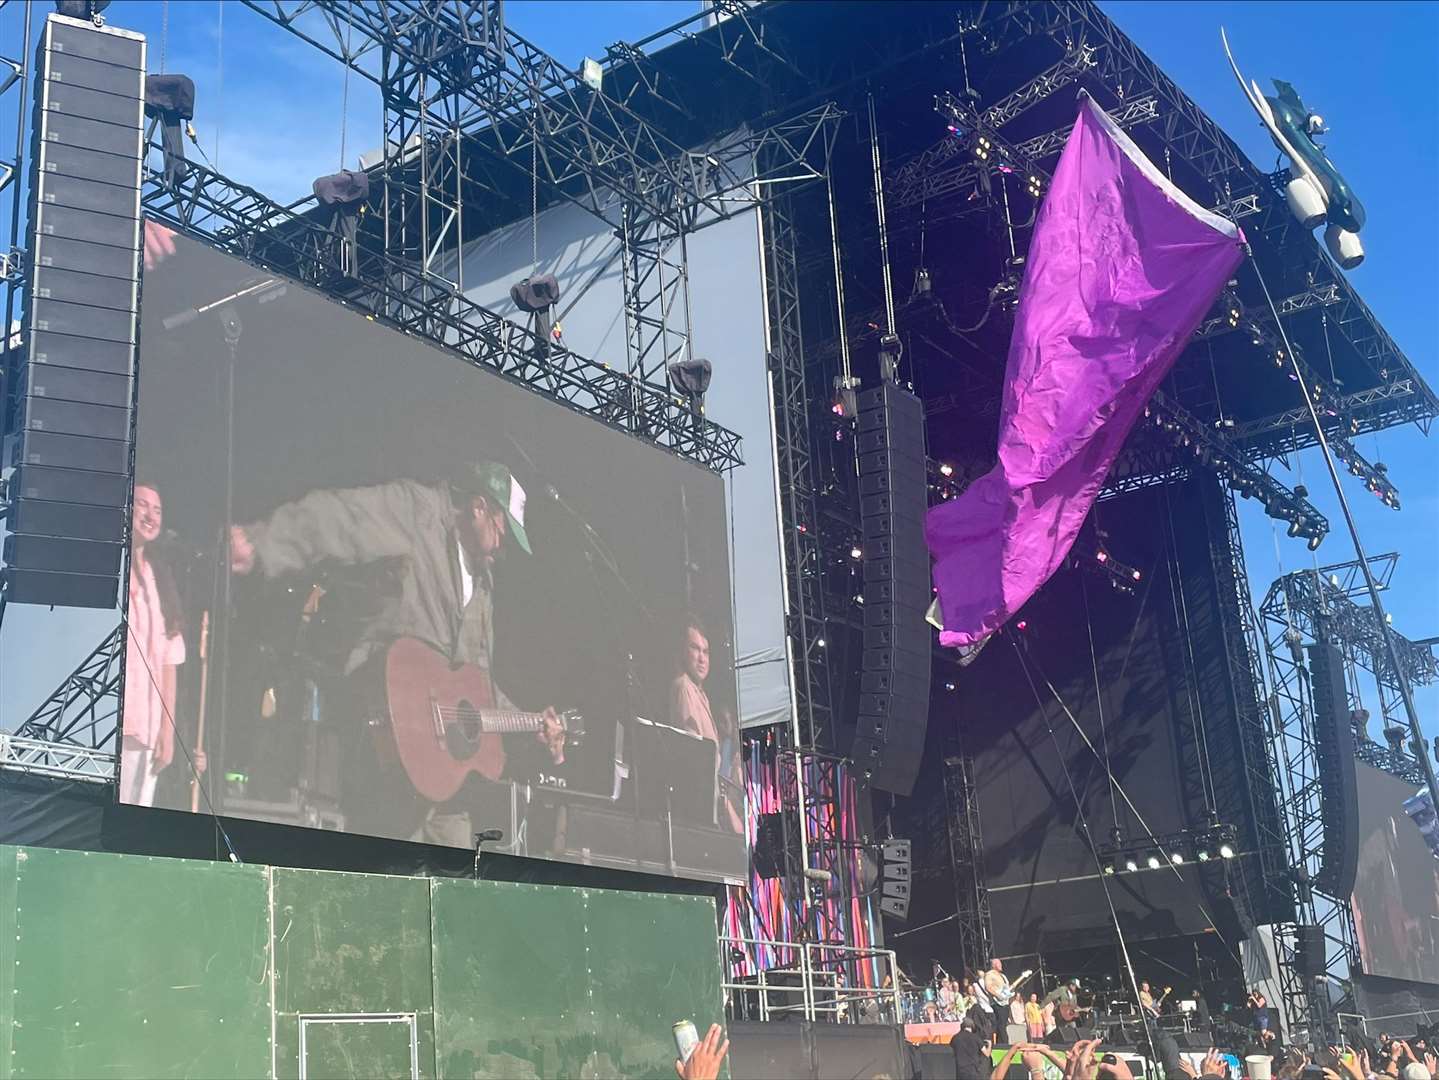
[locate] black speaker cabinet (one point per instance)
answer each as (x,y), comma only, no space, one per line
(894,681)
(71,383)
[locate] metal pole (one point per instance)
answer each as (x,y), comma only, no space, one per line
(1416,734)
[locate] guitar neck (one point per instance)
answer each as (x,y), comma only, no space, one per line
(507,721)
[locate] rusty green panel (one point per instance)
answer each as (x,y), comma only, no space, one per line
(360,1048)
(131,966)
(653,959)
(348,948)
(511,987)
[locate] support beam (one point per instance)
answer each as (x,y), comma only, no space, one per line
(243,222)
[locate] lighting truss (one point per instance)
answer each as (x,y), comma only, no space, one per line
(1127,115)
(1212,842)
(1288,252)
(243,222)
(1077,60)
(454,80)
(1375,476)
(1215,451)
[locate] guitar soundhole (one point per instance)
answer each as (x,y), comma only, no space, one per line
(462,732)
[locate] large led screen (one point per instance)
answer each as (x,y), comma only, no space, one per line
(381,591)
(1396,891)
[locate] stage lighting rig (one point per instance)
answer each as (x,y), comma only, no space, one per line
(170,102)
(538,294)
(1172,850)
(692,379)
(1210,447)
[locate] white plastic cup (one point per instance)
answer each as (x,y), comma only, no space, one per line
(1258,1066)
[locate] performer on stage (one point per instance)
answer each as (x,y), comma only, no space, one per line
(445,541)
(690,711)
(1146,1000)
(154,648)
(996,989)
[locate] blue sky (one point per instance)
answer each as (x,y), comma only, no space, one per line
(269,108)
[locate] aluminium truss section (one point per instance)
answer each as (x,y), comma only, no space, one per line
(1267,890)
(453,79)
(966,857)
(75,731)
(1290,253)
(243,222)
(799,519)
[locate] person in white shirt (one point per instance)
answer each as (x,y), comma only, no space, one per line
(154,648)
(690,710)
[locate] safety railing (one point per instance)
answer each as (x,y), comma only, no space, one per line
(835,983)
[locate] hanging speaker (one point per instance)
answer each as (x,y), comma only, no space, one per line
(70,384)
(895,663)
(1338,785)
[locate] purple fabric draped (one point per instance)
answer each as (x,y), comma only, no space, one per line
(1122,268)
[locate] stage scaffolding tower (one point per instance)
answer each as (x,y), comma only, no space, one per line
(1326,606)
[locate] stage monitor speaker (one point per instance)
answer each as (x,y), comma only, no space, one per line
(1338,785)
(1309,950)
(70,384)
(895,665)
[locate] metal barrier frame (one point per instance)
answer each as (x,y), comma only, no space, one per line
(821,993)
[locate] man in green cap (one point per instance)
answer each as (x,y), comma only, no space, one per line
(443,541)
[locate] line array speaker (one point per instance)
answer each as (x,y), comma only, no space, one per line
(1338,786)
(894,680)
(1309,950)
(70,384)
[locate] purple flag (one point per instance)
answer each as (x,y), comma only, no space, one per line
(1122,268)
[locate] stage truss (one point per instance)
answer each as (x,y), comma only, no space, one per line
(1330,605)
(476,116)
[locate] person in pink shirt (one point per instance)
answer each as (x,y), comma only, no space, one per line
(154,648)
(690,710)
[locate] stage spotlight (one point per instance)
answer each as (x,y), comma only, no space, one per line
(1296,526)
(692,379)
(170,102)
(1315,541)
(1102,556)
(1131,865)
(1134,574)
(1225,851)
(538,295)
(1177,858)
(1152,861)
(1108,869)
(856,553)
(946,469)
(1203,854)
(345,194)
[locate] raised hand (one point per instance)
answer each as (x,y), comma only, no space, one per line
(705,1059)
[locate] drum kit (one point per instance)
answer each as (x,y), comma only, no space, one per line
(929,1003)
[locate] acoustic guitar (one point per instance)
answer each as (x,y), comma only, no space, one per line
(444,723)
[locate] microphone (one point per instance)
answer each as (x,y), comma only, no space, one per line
(259,288)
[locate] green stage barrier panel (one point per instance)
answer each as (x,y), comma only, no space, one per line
(352,976)
(129,966)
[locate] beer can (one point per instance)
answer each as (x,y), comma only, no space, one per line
(686,1038)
